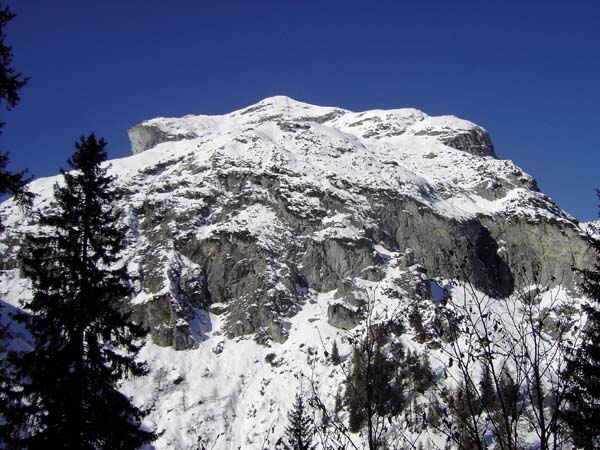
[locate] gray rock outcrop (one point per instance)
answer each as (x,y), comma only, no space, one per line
(147,135)
(476,142)
(245,223)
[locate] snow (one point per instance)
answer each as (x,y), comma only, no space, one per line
(235,393)
(331,145)
(326,148)
(235,397)
(441,125)
(591,228)
(259,221)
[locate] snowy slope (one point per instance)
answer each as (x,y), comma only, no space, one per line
(400,149)
(254,235)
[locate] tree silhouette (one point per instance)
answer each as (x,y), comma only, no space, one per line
(84,342)
(582,413)
(300,429)
(11,83)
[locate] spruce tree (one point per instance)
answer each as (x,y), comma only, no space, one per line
(335,354)
(299,432)
(356,392)
(9,389)
(11,83)
(582,411)
(84,342)
(488,391)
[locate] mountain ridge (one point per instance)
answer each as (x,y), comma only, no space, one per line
(261,229)
(371,123)
(323,192)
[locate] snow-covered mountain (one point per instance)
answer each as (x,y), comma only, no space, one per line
(254,236)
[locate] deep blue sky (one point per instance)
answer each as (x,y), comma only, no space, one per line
(527,71)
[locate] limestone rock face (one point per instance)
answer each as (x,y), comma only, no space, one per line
(476,142)
(459,134)
(145,136)
(344,316)
(245,215)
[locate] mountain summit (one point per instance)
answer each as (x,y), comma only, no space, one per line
(253,229)
(377,124)
(242,213)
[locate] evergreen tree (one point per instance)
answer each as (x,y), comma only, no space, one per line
(84,342)
(11,83)
(356,393)
(12,183)
(507,413)
(10,80)
(9,390)
(299,432)
(582,413)
(335,354)
(488,391)
(375,386)
(465,405)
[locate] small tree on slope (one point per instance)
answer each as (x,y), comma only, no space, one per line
(335,354)
(84,343)
(300,430)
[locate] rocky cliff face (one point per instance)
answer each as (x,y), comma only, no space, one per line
(146,136)
(243,214)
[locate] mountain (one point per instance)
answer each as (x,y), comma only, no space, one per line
(256,238)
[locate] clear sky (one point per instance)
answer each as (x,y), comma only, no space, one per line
(528,71)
